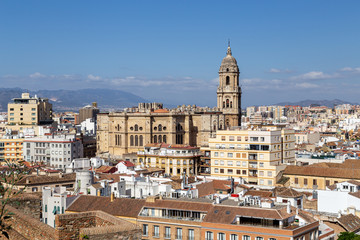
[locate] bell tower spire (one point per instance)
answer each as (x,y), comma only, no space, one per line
(229,91)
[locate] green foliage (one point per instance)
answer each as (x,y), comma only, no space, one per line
(348,236)
(8,181)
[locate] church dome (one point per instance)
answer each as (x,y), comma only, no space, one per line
(229,63)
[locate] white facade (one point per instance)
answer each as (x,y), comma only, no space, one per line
(57,151)
(54,201)
(88,127)
(339,199)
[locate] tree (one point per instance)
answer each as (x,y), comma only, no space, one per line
(348,236)
(10,175)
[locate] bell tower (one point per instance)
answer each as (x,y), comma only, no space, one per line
(229,91)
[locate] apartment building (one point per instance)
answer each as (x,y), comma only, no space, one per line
(56,151)
(191,220)
(29,111)
(174,159)
(255,155)
(11,149)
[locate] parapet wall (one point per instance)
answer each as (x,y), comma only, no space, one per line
(95,225)
(28,227)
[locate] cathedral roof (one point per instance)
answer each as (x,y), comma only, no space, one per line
(229,62)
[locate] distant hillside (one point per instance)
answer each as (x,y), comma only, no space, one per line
(306,103)
(75,99)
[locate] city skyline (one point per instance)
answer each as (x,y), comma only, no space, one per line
(171,52)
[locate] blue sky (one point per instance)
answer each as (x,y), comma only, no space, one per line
(170,51)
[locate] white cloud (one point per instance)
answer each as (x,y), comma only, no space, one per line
(93,78)
(37,75)
(314,75)
(306,85)
(349,69)
(276,70)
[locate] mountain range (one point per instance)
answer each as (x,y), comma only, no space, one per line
(75,99)
(327,103)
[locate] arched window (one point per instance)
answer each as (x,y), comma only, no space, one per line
(223,104)
(164,138)
(227,80)
(136,127)
(131,140)
(155,139)
(136,140)
(231,104)
(227,103)
(181,139)
(160,139)
(160,128)
(118,127)
(141,140)
(214,127)
(220,127)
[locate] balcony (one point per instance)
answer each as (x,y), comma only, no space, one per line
(252,157)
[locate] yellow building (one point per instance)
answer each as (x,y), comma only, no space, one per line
(256,156)
(11,150)
(321,175)
(28,111)
(174,159)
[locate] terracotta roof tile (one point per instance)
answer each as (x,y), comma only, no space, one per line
(350,222)
(125,207)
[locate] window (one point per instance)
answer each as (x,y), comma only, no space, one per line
(167,232)
(314,182)
(238,163)
(230,163)
(270,182)
(221,154)
(230,171)
(216,154)
(297,181)
(216,162)
(221,162)
(261,164)
(234,237)
(231,138)
(145,230)
(45,208)
(269,174)
(178,233)
(221,236)
(238,138)
(223,138)
(209,235)
(156,231)
(191,234)
(221,170)
(238,172)
(259,238)
(230,154)
(246,237)
(216,170)
(305,181)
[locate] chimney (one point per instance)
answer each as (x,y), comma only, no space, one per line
(112,197)
(288,208)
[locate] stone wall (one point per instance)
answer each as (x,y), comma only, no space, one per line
(29,205)
(94,225)
(28,227)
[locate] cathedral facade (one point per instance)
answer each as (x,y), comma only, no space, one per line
(129,131)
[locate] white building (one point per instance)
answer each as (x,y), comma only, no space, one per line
(54,201)
(341,197)
(88,126)
(57,151)
(126,167)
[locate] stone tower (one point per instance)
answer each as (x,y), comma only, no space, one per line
(229,91)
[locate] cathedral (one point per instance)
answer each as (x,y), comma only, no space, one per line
(129,131)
